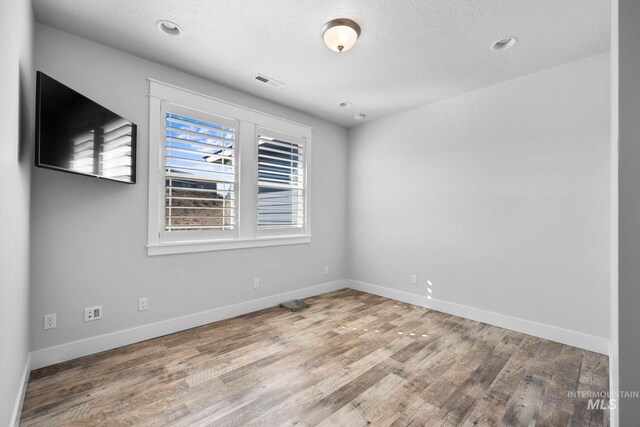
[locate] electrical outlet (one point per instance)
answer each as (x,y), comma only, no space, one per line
(50,321)
(92,313)
(256,283)
(326,269)
(142,304)
(414,279)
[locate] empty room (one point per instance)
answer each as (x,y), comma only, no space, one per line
(339,213)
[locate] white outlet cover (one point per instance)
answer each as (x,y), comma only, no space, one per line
(92,313)
(50,321)
(414,279)
(256,283)
(142,304)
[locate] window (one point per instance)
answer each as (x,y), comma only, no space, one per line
(222,176)
(199,173)
(280,182)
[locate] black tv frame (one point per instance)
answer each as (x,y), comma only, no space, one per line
(134,137)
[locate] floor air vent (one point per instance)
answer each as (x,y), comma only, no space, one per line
(295,304)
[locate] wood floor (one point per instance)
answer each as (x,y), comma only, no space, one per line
(352,359)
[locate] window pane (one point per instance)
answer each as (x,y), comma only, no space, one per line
(200,174)
(280,184)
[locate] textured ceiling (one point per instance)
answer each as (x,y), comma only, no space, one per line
(410,52)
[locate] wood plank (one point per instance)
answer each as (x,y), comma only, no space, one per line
(524,407)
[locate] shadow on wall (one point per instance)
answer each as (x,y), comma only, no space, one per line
(25,137)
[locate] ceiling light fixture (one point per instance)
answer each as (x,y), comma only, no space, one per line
(170,28)
(359,116)
(344,104)
(503,44)
(340,34)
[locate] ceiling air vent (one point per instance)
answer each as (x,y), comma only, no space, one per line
(267,80)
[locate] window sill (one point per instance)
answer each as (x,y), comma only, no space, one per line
(223,245)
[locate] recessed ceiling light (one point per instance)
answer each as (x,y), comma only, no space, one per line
(170,28)
(504,43)
(359,116)
(344,104)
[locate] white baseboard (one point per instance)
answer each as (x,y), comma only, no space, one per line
(22,390)
(75,349)
(85,347)
(540,330)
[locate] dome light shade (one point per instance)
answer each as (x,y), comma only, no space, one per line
(340,34)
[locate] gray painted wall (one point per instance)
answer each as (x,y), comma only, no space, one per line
(629,213)
(499,197)
(89,236)
(16,136)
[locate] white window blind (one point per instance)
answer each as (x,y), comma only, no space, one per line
(115,158)
(200,171)
(223,176)
(281,184)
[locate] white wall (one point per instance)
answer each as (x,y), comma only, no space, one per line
(499,197)
(89,236)
(16,136)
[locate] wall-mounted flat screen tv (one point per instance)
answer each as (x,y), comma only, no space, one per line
(75,134)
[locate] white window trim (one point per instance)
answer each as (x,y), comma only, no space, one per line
(247,234)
